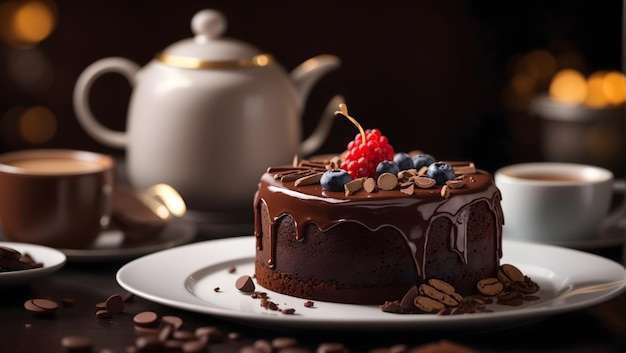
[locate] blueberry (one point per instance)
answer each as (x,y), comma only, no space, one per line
(335,179)
(387,167)
(422,160)
(441,172)
(404,160)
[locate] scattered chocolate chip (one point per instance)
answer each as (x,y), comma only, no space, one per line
(165,333)
(114,304)
(175,321)
(331,347)
(245,284)
(183,335)
(148,343)
(288,311)
(194,346)
(212,333)
(264,346)
(41,306)
(309,304)
(77,344)
(103,314)
(146,319)
(67,302)
(127,297)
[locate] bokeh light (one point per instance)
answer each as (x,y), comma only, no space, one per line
(37,125)
(568,86)
(614,87)
(26,23)
(30,70)
(595,96)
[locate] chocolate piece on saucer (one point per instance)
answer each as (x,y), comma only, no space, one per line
(139,217)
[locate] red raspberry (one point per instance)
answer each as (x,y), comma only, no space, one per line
(362,158)
(368,148)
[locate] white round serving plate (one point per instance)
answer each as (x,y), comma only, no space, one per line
(199,278)
(51,259)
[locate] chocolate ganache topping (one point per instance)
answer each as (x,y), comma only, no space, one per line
(410,213)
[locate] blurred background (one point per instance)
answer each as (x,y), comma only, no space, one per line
(457,79)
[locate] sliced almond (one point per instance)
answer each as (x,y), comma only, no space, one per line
(445,191)
(407,173)
(409,190)
(353,186)
(455,183)
(309,179)
(468,169)
(297,175)
(422,171)
(424,182)
(335,163)
(370,185)
(387,181)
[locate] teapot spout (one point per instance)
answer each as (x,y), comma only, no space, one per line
(309,72)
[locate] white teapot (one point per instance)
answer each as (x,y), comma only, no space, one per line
(208,115)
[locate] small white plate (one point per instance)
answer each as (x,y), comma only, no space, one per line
(110,246)
(51,259)
(187,278)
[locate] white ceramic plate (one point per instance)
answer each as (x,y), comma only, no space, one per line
(187,277)
(110,247)
(51,259)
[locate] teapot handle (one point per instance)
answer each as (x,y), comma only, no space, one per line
(82,89)
(304,77)
(324,125)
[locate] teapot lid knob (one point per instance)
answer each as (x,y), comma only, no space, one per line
(208,49)
(208,24)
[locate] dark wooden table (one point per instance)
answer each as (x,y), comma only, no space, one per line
(601,328)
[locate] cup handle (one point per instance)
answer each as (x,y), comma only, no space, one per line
(82,89)
(619,213)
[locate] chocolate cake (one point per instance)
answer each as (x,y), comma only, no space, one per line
(379,237)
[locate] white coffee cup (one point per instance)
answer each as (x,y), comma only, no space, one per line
(555,202)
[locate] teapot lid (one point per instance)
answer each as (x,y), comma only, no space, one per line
(209,50)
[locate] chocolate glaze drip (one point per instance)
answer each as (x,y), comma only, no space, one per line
(411,215)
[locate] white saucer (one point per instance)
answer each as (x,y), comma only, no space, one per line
(110,246)
(612,237)
(51,259)
(569,280)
